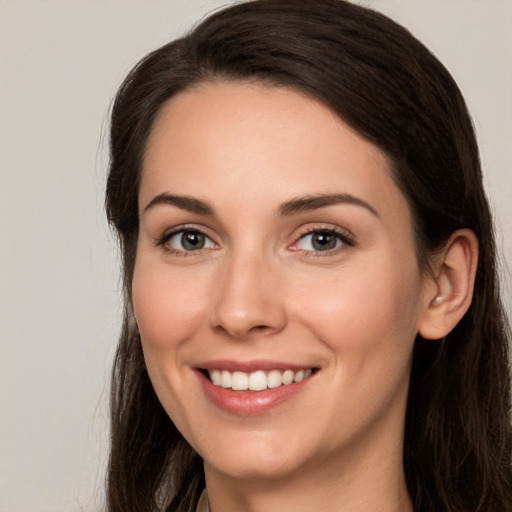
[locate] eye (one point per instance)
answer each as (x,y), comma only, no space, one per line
(188,240)
(322,240)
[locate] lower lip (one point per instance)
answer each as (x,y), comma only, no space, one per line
(250,403)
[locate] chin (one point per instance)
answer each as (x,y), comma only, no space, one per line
(257,457)
(252,467)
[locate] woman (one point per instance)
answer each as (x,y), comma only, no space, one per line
(312,316)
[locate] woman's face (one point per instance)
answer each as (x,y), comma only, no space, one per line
(274,246)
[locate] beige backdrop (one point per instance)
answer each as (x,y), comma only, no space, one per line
(60,63)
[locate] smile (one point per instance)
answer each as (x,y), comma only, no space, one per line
(248,388)
(258,380)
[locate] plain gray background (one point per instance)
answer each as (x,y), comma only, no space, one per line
(61,62)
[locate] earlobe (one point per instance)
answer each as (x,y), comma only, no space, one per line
(451,290)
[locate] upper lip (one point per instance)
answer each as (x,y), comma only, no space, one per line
(251,366)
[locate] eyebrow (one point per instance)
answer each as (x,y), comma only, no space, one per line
(313,202)
(291,207)
(188,203)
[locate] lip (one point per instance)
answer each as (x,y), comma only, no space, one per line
(250,403)
(251,366)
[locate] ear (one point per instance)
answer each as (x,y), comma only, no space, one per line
(449,292)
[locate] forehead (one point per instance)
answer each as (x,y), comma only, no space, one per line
(248,141)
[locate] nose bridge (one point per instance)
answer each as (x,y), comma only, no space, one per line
(248,300)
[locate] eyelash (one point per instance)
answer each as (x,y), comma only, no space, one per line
(343,237)
(163,241)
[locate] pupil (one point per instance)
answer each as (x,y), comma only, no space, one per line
(192,241)
(323,241)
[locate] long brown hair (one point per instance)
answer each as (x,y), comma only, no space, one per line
(383,82)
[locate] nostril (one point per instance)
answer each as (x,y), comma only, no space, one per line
(261,329)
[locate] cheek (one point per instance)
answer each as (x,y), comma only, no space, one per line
(367,316)
(168,304)
(169,309)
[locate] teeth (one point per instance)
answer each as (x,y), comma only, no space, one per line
(215,375)
(225,379)
(274,379)
(288,377)
(258,380)
(239,381)
(299,376)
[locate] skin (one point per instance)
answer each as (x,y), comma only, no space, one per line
(259,290)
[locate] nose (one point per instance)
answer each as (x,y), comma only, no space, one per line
(249,301)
